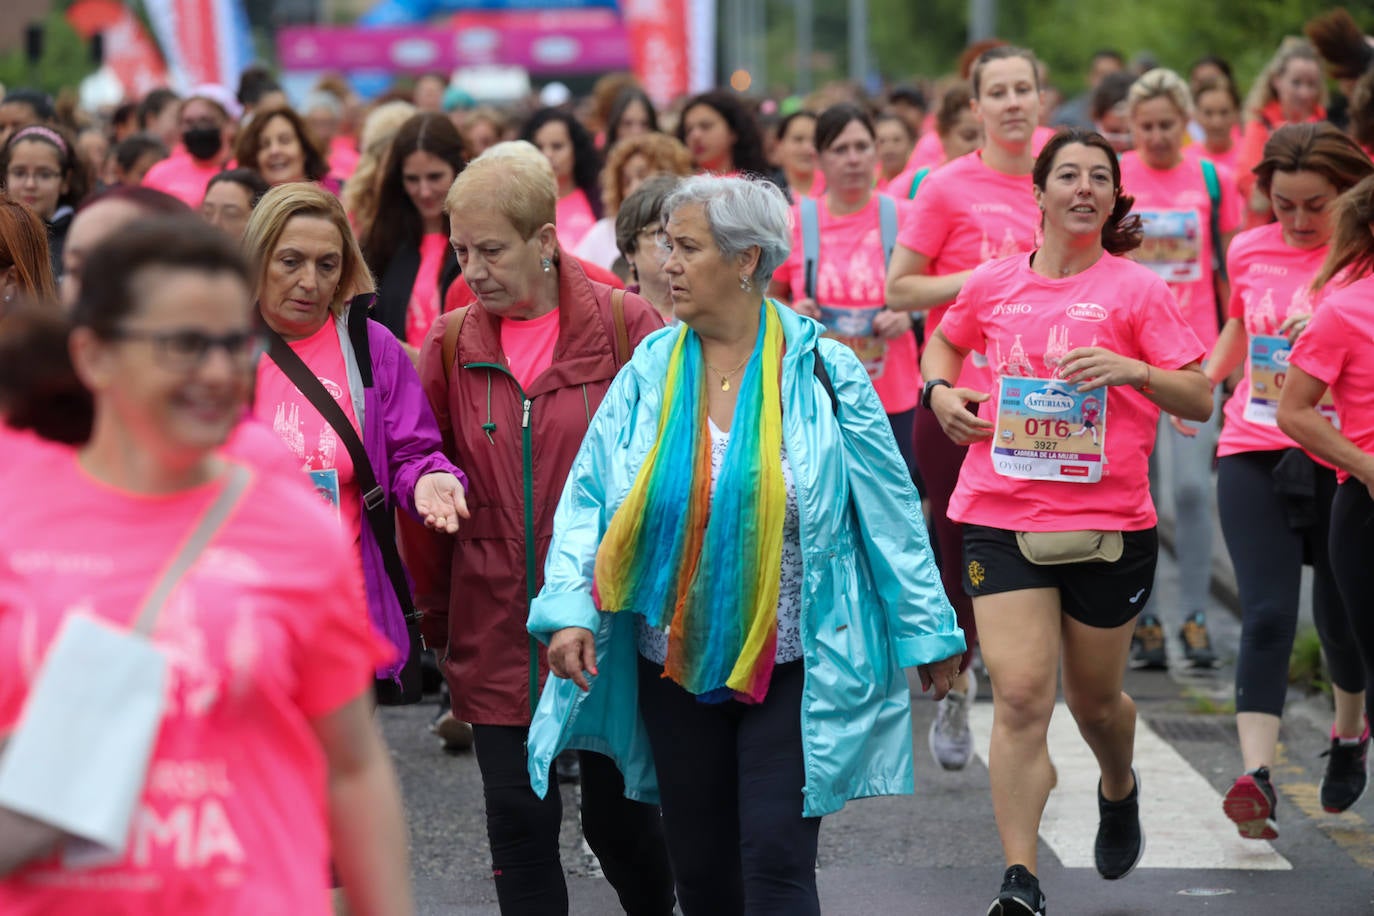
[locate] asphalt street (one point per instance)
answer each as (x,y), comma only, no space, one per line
(937,852)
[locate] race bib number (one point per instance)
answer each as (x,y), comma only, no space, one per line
(1268,370)
(326,485)
(1172,246)
(853,327)
(1047,430)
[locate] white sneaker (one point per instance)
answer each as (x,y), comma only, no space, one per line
(951,740)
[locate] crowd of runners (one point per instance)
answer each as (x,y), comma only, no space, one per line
(626,425)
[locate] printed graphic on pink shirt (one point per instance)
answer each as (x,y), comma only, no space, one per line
(1051,439)
(1270,280)
(851,279)
(1338,348)
(232,816)
(1176,209)
(303,429)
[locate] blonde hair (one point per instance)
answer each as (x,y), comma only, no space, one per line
(666,155)
(1262,90)
(361,192)
(520,187)
(299,198)
(1160,83)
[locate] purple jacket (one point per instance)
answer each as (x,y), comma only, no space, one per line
(402,443)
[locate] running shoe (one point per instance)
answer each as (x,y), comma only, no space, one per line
(1120,841)
(1147,643)
(1020,895)
(951,739)
(454,734)
(1346,772)
(1250,803)
(1197,643)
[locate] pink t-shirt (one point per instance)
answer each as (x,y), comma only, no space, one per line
(1026,323)
(182,177)
(1178,232)
(267,632)
(1269,282)
(965,214)
(424,295)
(1338,349)
(929,151)
(850,280)
(1226,160)
(528,346)
(308,437)
(574,218)
(343,157)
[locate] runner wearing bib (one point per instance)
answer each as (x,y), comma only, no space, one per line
(1174,199)
(1271,527)
(851,231)
(974,209)
(1336,352)
(1060,542)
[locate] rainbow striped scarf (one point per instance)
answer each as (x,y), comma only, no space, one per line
(707,568)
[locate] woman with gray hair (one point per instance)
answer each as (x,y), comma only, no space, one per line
(683,641)
(637,227)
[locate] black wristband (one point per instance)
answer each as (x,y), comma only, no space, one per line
(930,386)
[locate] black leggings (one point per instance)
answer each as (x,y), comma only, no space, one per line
(1352,561)
(904,431)
(626,836)
(730,776)
(1268,556)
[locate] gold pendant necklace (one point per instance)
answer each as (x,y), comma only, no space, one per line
(725,376)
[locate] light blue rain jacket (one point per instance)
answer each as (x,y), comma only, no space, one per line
(871,605)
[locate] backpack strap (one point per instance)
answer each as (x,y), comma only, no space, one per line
(811,242)
(823,376)
(1209,175)
(449,348)
(887,220)
(916,180)
(358,307)
(622,333)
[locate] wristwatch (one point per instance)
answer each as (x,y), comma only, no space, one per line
(929,387)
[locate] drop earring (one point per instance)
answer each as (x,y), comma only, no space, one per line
(546,264)
(745,284)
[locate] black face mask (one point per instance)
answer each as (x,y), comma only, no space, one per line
(202,142)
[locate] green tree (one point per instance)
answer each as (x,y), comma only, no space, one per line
(65,63)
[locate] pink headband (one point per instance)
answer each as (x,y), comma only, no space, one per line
(47,133)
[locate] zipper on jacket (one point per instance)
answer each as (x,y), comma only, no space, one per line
(527,467)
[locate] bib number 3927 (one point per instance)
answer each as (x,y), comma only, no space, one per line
(1047,430)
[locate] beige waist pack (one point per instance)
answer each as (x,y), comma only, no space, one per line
(1056,548)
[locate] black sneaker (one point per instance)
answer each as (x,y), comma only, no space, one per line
(1197,643)
(1250,803)
(1346,773)
(1120,842)
(1020,895)
(1147,643)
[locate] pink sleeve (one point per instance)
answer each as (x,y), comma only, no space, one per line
(1164,337)
(337,650)
(960,324)
(1322,349)
(1235,306)
(925,226)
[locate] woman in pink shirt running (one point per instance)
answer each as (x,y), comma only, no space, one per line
(1274,501)
(973,209)
(1058,555)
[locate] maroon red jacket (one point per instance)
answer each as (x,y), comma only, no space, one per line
(474,587)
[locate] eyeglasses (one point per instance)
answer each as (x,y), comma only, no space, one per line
(40,176)
(186,350)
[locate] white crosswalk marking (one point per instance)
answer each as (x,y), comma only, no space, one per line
(1180,811)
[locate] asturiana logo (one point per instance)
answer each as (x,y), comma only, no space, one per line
(1087,311)
(1048,400)
(1281,357)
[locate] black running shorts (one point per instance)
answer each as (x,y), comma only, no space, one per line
(1095,593)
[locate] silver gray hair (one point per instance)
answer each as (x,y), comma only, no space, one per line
(741,214)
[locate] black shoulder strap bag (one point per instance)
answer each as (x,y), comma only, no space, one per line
(375,508)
